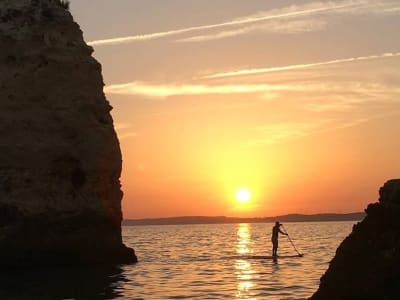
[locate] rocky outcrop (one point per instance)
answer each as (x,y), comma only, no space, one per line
(367,263)
(60,160)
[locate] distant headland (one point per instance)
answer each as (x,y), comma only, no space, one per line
(188,220)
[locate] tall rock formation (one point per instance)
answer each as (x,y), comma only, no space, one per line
(60,160)
(367,263)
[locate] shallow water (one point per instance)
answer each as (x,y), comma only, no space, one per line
(195,262)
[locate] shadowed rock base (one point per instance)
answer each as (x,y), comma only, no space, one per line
(63,240)
(94,283)
(367,263)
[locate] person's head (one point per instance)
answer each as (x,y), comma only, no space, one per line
(277,224)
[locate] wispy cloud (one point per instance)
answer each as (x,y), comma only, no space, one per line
(168,90)
(280,132)
(124,130)
(122,126)
(376,7)
(289,27)
(126,135)
(351,90)
(286,12)
(339,105)
(277,132)
(302,22)
(350,99)
(244,72)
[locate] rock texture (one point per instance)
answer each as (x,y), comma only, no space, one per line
(367,263)
(60,161)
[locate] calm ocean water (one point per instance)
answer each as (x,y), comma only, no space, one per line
(195,262)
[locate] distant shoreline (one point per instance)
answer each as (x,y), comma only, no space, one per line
(193,220)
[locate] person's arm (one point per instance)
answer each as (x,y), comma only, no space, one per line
(284,233)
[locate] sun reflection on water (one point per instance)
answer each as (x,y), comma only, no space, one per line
(244,271)
(243,239)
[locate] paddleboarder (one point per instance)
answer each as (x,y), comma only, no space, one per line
(275,236)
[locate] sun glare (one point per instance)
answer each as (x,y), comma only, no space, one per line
(243,195)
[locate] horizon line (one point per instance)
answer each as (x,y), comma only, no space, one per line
(233,217)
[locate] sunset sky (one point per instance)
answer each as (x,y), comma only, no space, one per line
(296,102)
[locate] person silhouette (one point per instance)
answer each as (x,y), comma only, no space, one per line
(275,238)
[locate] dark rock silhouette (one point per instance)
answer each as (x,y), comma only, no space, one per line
(367,263)
(94,283)
(60,160)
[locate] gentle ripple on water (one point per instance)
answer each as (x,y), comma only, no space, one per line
(195,262)
(209,261)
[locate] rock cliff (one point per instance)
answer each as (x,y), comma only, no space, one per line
(367,263)
(60,160)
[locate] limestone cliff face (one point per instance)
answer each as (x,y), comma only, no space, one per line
(367,263)
(60,161)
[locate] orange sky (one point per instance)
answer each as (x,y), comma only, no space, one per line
(297,101)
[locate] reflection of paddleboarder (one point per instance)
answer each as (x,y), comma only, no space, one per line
(275,234)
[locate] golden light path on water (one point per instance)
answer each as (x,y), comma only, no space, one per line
(222,261)
(244,272)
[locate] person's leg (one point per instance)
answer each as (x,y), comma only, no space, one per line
(277,246)
(274,247)
(275,251)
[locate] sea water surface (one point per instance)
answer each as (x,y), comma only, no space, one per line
(195,262)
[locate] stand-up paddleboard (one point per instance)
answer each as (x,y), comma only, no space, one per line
(270,257)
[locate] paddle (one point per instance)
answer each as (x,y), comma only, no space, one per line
(300,254)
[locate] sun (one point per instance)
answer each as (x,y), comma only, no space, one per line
(243,195)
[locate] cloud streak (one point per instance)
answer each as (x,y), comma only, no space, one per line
(265,91)
(302,23)
(292,27)
(279,132)
(245,72)
(166,90)
(287,130)
(287,12)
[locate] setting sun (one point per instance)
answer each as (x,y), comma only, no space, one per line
(243,195)
(233,128)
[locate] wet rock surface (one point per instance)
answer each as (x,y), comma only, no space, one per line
(60,160)
(367,263)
